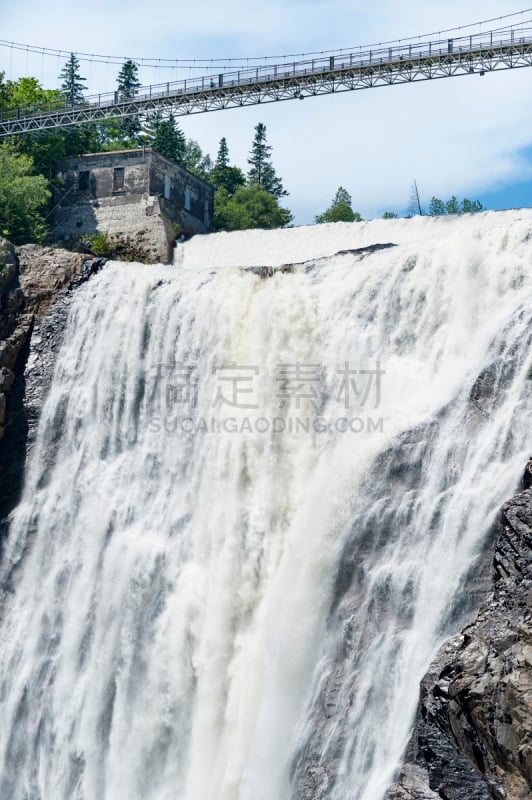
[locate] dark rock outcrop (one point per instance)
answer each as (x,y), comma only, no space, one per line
(35,283)
(361,252)
(472,739)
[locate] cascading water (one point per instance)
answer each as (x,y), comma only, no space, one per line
(239,543)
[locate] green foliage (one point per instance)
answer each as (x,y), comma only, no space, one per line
(99,244)
(128,80)
(196,161)
(261,172)
(72,86)
(129,128)
(4,93)
(28,93)
(250,207)
(166,137)
(471,206)
(170,140)
(110,135)
(222,157)
(223,175)
(23,198)
(390,215)
(452,206)
(340,210)
(43,148)
(438,208)
(46,149)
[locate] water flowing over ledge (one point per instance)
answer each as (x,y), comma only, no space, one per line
(291,245)
(230,610)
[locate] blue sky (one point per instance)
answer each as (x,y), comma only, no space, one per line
(469,137)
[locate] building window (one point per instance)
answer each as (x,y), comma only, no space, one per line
(187,198)
(118,179)
(167,187)
(83,180)
(206,215)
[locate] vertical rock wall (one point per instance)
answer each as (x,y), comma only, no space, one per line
(473,735)
(33,279)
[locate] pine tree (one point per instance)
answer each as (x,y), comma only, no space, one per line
(470,206)
(169,140)
(72,86)
(451,206)
(262,172)
(128,83)
(223,175)
(340,210)
(222,158)
(436,207)
(128,80)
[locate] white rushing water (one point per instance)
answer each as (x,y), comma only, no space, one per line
(208,601)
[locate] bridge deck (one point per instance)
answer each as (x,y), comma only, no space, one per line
(480,53)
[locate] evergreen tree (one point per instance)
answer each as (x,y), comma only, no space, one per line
(261,171)
(340,210)
(451,206)
(222,158)
(149,128)
(169,140)
(390,215)
(72,86)
(470,206)
(223,175)
(436,207)
(128,80)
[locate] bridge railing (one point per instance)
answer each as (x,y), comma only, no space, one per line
(395,55)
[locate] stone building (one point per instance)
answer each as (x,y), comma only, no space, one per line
(139,200)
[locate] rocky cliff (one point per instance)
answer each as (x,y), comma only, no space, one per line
(32,280)
(472,738)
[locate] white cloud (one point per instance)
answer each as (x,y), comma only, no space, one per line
(459,136)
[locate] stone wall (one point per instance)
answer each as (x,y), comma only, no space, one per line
(139,200)
(182,192)
(132,225)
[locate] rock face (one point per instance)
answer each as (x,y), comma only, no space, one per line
(32,278)
(472,739)
(14,324)
(45,271)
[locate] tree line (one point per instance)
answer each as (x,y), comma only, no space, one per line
(243,199)
(341,208)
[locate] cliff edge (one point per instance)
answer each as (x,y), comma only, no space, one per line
(472,739)
(32,280)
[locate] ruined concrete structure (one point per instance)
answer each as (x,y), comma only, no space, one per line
(139,200)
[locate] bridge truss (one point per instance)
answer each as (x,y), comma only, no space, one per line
(480,53)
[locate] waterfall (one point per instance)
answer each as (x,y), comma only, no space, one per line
(253,505)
